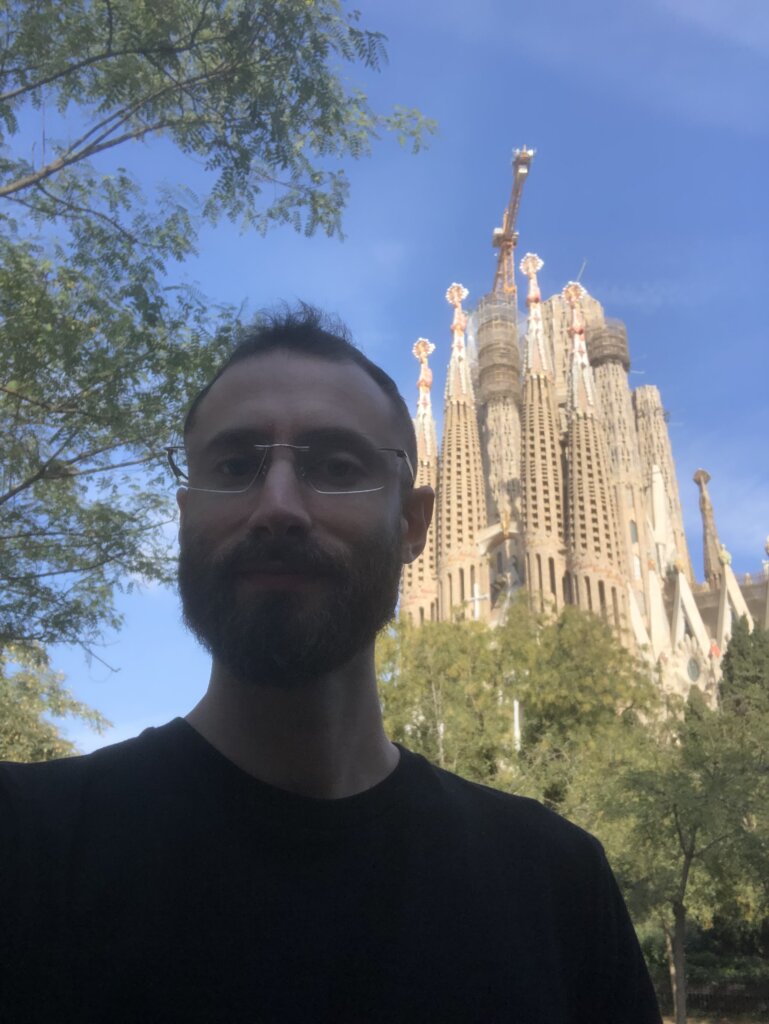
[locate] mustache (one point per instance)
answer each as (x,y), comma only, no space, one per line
(300,556)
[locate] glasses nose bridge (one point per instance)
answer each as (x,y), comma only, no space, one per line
(288,456)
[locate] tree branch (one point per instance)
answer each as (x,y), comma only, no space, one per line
(96,58)
(86,211)
(74,153)
(34,478)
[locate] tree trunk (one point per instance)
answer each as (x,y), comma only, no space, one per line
(676,951)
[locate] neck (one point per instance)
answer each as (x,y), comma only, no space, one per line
(324,739)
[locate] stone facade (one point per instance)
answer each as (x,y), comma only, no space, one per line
(554,477)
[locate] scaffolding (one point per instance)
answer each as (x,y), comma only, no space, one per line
(499,357)
(607,343)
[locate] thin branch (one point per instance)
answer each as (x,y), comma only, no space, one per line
(26,398)
(104,55)
(108,469)
(709,846)
(110,25)
(89,651)
(74,154)
(34,478)
(88,212)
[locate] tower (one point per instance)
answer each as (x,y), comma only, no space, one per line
(593,542)
(419,584)
(499,408)
(712,548)
(462,570)
(556,321)
(607,350)
(655,450)
(541,471)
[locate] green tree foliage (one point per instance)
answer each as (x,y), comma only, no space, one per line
(575,683)
(745,683)
(99,354)
(93,378)
(441,698)
(255,89)
(448,691)
(30,691)
(682,807)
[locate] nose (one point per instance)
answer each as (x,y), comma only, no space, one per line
(278,500)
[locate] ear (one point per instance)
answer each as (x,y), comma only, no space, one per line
(416,515)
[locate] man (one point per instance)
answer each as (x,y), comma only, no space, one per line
(273,857)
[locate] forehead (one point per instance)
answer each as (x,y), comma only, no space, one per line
(284,393)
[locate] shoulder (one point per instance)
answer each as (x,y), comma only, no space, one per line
(52,786)
(506,823)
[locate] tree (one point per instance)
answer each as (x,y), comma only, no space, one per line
(448,691)
(99,351)
(681,806)
(575,683)
(94,375)
(745,682)
(29,691)
(441,698)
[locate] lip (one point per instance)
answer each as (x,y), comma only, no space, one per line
(277,576)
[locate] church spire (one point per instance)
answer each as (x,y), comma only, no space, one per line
(581,389)
(462,571)
(711,545)
(595,555)
(541,471)
(427,445)
(537,359)
(419,586)
(656,451)
(458,381)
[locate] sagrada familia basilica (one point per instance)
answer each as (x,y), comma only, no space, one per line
(553,475)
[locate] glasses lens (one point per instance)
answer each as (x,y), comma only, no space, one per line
(232,471)
(328,469)
(339,470)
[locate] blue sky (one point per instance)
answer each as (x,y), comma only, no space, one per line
(651,126)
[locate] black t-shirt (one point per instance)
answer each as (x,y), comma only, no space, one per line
(154,881)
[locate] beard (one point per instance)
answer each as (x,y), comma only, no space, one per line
(288,638)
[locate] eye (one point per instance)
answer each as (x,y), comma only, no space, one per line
(237,467)
(340,470)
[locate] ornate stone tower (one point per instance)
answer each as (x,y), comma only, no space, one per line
(655,451)
(499,407)
(556,320)
(419,585)
(713,550)
(607,350)
(541,470)
(595,554)
(499,426)
(462,571)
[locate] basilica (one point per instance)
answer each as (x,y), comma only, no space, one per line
(554,476)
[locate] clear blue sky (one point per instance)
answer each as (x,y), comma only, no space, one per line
(651,126)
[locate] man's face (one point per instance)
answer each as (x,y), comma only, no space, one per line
(283,584)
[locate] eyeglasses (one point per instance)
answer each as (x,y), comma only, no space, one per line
(327,468)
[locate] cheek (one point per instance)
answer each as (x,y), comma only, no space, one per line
(208,527)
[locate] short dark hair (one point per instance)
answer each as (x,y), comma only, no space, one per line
(311,332)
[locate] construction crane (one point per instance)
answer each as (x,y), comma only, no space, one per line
(506,238)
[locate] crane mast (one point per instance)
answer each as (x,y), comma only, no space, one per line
(506,237)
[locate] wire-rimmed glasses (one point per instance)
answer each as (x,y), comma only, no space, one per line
(326,468)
